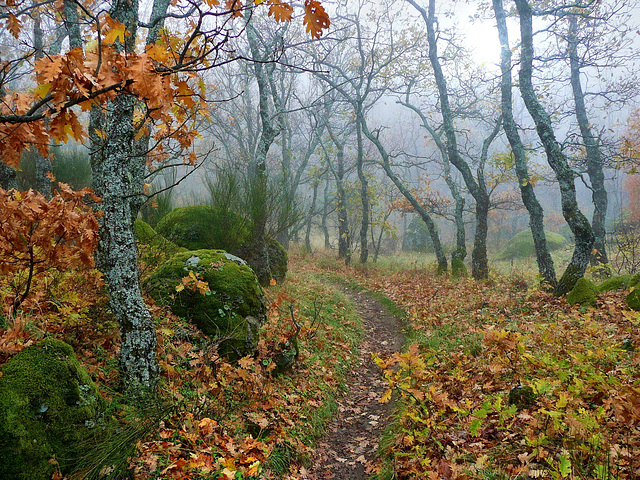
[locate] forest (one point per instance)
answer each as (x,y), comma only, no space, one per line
(348,239)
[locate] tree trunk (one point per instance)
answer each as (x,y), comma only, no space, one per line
(578,223)
(364,191)
(449,131)
(117,255)
(307,237)
(344,237)
(594,155)
(325,214)
(536,214)
(424,214)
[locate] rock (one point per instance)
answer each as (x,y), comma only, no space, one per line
(584,293)
(614,283)
(458,268)
(522,396)
(521,245)
(205,227)
(232,310)
(278,261)
(48,406)
(633,298)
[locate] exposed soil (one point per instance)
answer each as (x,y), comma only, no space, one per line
(351,441)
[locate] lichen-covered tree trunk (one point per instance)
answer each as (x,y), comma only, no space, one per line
(480,259)
(536,213)
(325,215)
(312,209)
(344,237)
(578,223)
(594,154)
(117,255)
(43,165)
(364,190)
(424,214)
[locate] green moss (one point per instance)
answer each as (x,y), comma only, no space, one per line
(48,405)
(278,259)
(521,245)
(522,396)
(233,309)
(614,283)
(633,298)
(204,227)
(583,293)
(458,268)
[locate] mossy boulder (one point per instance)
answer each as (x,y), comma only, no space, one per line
(205,227)
(278,261)
(232,309)
(615,283)
(521,245)
(458,268)
(633,298)
(48,406)
(583,293)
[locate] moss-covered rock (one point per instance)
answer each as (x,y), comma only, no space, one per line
(633,298)
(522,396)
(205,227)
(234,307)
(48,405)
(521,245)
(278,261)
(583,293)
(458,268)
(614,283)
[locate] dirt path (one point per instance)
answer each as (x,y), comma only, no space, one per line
(351,441)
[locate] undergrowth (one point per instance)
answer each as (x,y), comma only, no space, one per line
(504,381)
(211,419)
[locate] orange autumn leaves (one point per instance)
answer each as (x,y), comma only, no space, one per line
(163,78)
(37,234)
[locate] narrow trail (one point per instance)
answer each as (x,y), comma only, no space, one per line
(351,441)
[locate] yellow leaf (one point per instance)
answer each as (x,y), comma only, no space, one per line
(41,91)
(386,397)
(116,33)
(179,288)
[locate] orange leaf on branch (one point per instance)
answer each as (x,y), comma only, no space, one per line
(281,12)
(316,18)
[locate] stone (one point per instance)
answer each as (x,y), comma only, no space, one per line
(232,310)
(584,292)
(48,406)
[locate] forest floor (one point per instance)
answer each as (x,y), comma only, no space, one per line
(487,380)
(349,448)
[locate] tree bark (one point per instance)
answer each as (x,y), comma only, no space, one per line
(578,223)
(480,264)
(364,189)
(312,208)
(424,214)
(117,254)
(593,152)
(536,214)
